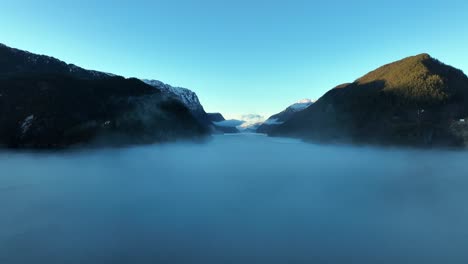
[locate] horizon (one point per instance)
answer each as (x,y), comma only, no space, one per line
(240,59)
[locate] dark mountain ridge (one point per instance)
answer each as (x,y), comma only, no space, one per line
(46,103)
(15,61)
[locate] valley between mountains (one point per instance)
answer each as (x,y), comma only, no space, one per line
(46,103)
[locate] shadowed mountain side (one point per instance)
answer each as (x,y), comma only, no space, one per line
(185,96)
(215,117)
(191,101)
(42,111)
(47,103)
(221,125)
(417,101)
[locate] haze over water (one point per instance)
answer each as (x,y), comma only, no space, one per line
(234,199)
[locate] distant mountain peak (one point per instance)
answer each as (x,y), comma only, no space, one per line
(304,101)
(300,105)
(285,115)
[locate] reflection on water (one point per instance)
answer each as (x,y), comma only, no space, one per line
(236,199)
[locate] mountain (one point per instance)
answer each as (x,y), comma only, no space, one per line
(225,126)
(417,101)
(15,61)
(46,103)
(250,123)
(246,124)
(300,105)
(215,117)
(283,116)
(250,128)
(190,99)
(184,95)
(250,119)
(222,125)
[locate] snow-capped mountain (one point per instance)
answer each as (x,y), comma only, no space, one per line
(251,122)
(244,123)
(186,96)
(222,125)
(216,121)
(251,119)
(301,105)
(250,127)
(285,115)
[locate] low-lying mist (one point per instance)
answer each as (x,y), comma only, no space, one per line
(235,199)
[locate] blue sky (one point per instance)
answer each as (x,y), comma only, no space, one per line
(241,57)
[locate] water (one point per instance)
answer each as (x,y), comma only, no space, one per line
(235,199)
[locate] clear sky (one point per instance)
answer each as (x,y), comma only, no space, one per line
(242,56)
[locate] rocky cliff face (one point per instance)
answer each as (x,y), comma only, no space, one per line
(184,95)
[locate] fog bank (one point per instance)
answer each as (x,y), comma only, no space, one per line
(235,199)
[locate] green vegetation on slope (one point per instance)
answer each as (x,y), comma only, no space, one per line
(413,101)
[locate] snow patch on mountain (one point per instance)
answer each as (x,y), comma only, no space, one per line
(26,124)
(285,115)
(251,121)
(249,127)
(186,96)
(301,105)
(244,123)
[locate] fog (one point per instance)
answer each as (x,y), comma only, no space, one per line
(234,199)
